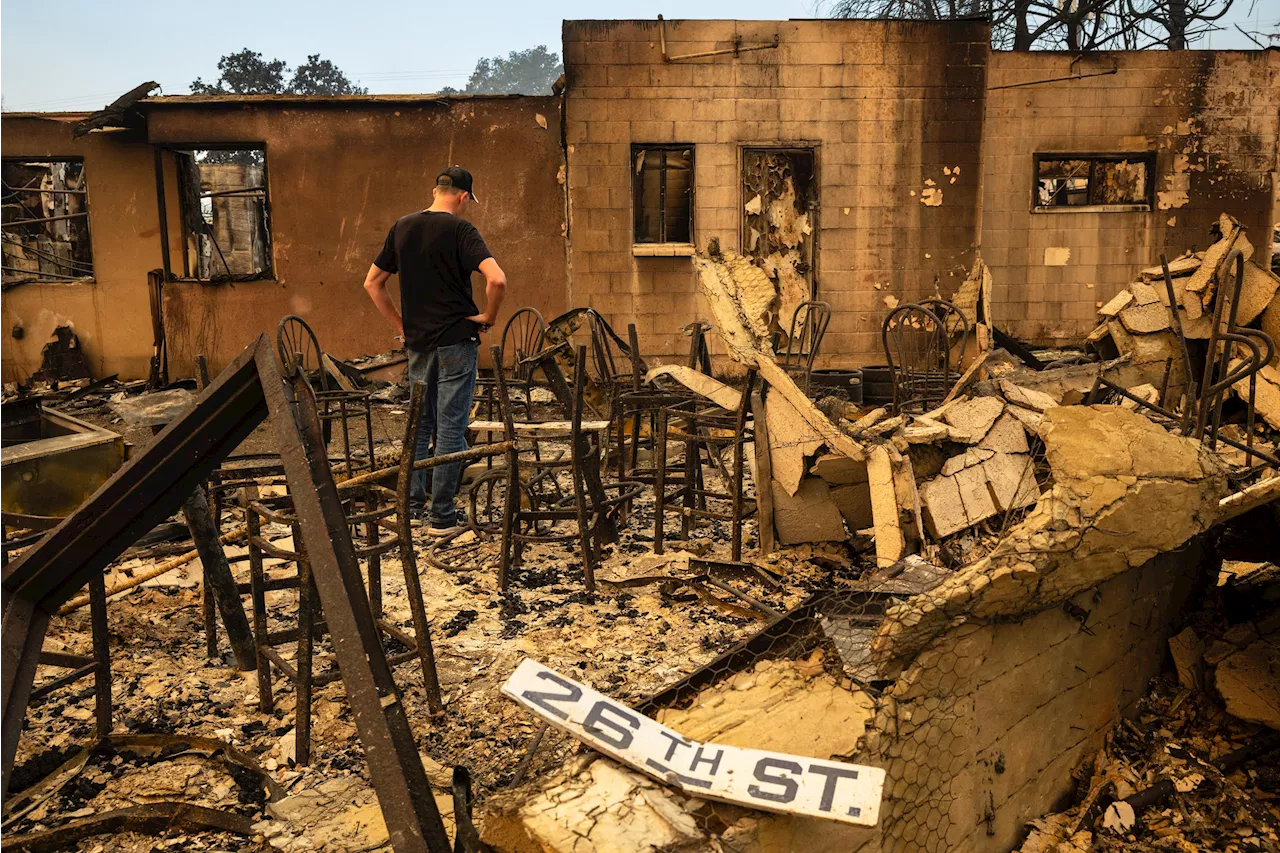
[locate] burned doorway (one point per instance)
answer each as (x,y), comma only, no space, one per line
(779,222)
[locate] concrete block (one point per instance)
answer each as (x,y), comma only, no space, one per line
(1011,477)
(1007,435)
(975,416)
(810,515)
(943,509)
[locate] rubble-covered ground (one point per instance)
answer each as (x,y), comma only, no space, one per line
(1006,501)
(631,642)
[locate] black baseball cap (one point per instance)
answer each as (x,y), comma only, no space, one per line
(457,177)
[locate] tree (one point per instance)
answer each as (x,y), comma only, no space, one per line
(523,72)
(247,73)
(244,73)
(319,76)
(1078,25)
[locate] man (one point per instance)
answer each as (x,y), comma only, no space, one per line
(435,251)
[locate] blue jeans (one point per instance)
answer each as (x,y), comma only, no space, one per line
(450,375)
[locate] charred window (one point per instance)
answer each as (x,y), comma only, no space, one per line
(46,221)
(225,213)
(663,191)
(1112,180)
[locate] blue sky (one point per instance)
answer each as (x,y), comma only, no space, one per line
(106,48)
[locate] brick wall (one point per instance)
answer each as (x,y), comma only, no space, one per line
(1211,118)
(890,108)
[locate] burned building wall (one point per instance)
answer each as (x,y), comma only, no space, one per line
(340,172)
(892,113)
(1209,120)
(110,313)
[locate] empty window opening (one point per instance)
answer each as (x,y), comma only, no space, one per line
(1108,181)
(45,221)
(663,191)
(225,213)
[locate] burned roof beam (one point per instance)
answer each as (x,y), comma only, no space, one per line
(120,114)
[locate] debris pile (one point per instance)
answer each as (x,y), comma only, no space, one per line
(968,596)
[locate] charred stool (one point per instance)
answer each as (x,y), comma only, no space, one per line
(34,528)
(535,498)
(702,425)
(381,519)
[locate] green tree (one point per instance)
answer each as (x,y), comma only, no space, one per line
(246,72)
(522,72)
(319,76)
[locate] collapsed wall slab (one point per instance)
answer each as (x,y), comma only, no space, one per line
(981,732)
(1124,490)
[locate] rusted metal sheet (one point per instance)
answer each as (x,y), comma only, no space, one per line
(52,461)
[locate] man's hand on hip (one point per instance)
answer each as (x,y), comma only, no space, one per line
(484,321)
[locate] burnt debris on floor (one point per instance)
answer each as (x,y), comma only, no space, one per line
(1031,589)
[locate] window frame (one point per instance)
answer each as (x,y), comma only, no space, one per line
(86,214)
(637,196)
(1147,158)
(268,273)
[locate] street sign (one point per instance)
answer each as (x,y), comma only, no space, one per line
(772,781)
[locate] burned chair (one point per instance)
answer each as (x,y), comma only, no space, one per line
(296,342)
(808,327)
(611,363)
(703,427)
(636,410)
(31,529)
(917,347)
(379,522)
(544,484)
(521,337)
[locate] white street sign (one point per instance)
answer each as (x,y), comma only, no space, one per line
(773,781)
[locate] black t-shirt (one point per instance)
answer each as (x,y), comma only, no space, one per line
(434,253)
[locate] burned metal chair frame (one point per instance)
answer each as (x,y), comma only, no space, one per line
(296,342)
(384,526)
(606,350)
(954,323)
(640,405)
(97,664)
(701,424)
(522,337)
(803,348)
(921,370)
(529,514)
(150,488)
(699,352)
(1201,415)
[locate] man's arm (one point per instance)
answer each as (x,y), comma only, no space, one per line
(495,288)
(375,284)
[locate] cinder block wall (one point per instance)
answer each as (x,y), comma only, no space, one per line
(1210,116)
(886,106)
(980,734)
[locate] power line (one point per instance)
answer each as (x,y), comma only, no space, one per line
(68,100)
